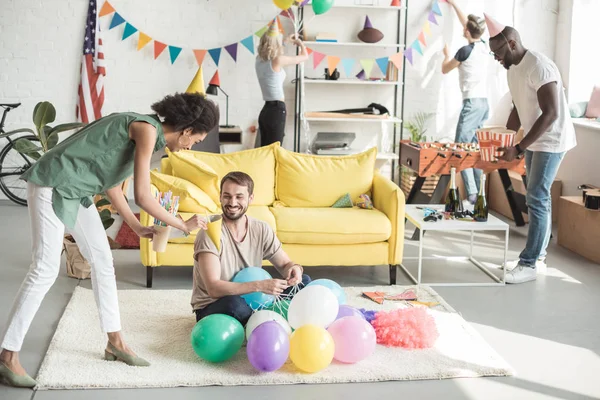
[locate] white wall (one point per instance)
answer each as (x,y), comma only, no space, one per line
(581,164)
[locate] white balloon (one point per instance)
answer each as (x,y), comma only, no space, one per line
(316,305)
(262,316)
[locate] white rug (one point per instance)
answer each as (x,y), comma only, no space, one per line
(157,325)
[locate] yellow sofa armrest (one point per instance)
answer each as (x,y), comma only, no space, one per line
(389,199)
(148,255)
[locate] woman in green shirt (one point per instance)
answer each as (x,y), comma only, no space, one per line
(97,159)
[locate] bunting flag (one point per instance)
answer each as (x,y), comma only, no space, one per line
(367,64)
(232,50)
(174,53)
(317,58)
(409,55)
(436,8)
(348,64)
(383,64)
(106,9)
(215,55)
(261,31)
(116,21)
(332,63)
(422,38)
(427,28)
(432,17)
(200,54)
(158,48)
(416,46)
(309,51)
(143,40)
(397,59)
(128,31)
(249,43)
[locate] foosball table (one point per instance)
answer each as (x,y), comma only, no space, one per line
(428,159)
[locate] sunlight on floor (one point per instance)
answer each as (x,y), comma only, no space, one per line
(555,273)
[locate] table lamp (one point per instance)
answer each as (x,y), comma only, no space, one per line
(227,133)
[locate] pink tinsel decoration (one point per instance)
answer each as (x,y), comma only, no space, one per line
(412,328)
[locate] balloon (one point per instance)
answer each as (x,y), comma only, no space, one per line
(268,347)
(354,339)
(283,4)
(280,307)
(321,6)
(315,305)
(217,337)
(255,300)
(348,311)
(311,348)
(334,287)
(263,316)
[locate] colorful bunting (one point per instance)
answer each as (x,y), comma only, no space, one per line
(383,64)
(416,46)
(143,40)
(200,54)
(116,21)
(332,63)
(397,59)
(106,9)
(432,17)
(409,55)
(309,51)
(261,31)
(422,38)
(174,53)
(249,43)
(436,8)
(158,48)
(348,64)
(317,58)
(427,28)
(367,64)
(232,50)
(128,31)
(215,54)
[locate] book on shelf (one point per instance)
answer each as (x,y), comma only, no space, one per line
(392,72)
(326,37)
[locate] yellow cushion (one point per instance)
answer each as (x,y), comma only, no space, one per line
(305,180)
(259,163)
(331,225)
(191,169)
(259,212)
(191,197)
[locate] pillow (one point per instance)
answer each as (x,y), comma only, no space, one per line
(305,180)
(191,197)
(187,167)
(593,108)
(577,110)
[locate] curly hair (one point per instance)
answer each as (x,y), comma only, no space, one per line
(269,47)
(188,110)
(475,26)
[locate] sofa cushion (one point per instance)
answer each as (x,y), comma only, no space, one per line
(331,225)
(259,163)
(187,167)
(259,212)
(191,197)
(305,180)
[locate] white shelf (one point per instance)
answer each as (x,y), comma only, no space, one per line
(352,82)
(386,120)
(363,6)
(401,45)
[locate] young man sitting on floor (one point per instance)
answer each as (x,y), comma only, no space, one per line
(245,242)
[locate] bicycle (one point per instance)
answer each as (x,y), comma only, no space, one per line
(13,163)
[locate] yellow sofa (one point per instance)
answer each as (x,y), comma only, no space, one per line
(293,194)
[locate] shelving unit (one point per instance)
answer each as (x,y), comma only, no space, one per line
(302,82)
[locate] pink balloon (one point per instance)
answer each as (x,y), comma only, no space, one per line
(354,339)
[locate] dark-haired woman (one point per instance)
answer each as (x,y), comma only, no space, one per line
(97,159)
(471,61)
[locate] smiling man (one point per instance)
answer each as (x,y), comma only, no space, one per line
(245,242)
(541,108)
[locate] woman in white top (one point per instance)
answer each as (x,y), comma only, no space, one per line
(471,61)
(271,75)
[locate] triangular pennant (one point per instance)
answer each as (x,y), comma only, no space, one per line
(383,64)
(249,43)
(232,50)
(417,47)
(261,31)
(422,38)
(432,17)
(143,40)
(427,28)
(409,55)
(436,8)
(332,63)
(128,31)
(215,54)
(397,60)
(348,64)
(288,14)
(158,48)
(174,53)
(395,3)
(200,54)
(106,9)
(317,58)
(309,51)
(367,64)
(116,21)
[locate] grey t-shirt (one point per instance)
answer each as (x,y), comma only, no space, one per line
(260,244)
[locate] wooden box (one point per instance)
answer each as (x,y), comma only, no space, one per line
(579,228)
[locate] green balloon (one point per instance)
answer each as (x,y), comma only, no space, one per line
(321,6)
(281,308)
(217,337)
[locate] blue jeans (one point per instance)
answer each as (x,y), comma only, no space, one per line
(236,306)
(541,170)
(472,116)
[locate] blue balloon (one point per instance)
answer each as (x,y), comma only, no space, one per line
(256,300)
(334,287)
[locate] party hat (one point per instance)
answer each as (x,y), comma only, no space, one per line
(273,29)
(367,23)
(197,84)
(361,75)
(395,3)
(494,27)
(215,79)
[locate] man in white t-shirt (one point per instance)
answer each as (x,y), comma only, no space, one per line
(540,107)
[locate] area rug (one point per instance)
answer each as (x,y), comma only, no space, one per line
(127,238)
(157,325)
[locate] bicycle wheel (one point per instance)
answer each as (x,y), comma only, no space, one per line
(12,165)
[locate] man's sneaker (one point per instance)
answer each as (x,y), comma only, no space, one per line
(521,274)
(540,265)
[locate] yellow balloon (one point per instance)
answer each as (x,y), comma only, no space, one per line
(311,348)
(283,4)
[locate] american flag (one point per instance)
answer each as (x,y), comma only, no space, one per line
(91,86)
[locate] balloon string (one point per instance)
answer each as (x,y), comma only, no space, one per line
(303,25)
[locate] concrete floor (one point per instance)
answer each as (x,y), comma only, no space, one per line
(547,330)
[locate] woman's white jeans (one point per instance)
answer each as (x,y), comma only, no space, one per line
(47,232)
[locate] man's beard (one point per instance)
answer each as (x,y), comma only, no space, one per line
(234,216)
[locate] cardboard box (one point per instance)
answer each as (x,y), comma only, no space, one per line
(579,228)
(498,202)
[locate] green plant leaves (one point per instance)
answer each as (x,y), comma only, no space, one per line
(108,222)
(6,134)
(102,203)
(43,113)
(65,127)
(26,146)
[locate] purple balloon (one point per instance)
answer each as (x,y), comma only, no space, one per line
(268,347)
(348,311)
